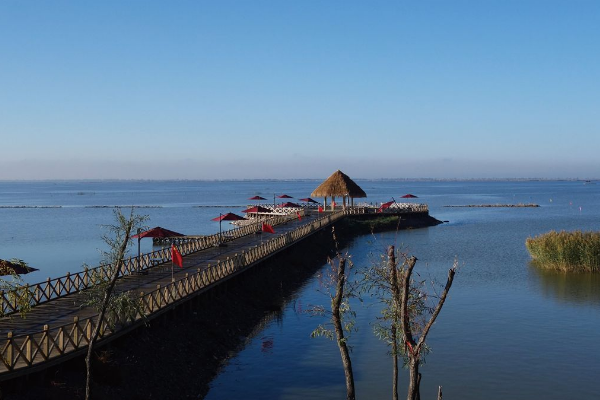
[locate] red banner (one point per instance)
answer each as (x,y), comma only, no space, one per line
(267,228)
(176,256)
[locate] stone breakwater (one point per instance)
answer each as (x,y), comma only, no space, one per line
(520,205)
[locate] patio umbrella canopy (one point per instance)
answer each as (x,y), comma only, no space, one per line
(285,196)
(18,268)
(409,196)
(386,205)
(228,217)
(157,232)
(289,204)
(308,200)
(256,198)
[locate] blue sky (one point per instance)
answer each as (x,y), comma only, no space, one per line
(298,89)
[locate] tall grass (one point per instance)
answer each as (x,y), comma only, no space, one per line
(566,251)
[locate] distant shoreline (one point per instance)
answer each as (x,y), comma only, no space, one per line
(520,205)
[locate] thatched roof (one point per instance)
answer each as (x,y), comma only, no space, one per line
(339,184)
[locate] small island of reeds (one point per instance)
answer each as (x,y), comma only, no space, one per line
(575,251)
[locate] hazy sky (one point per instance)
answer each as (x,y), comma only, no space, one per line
(298,89)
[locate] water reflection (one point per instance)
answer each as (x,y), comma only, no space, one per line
(579,288)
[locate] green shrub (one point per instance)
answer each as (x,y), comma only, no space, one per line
(566,251)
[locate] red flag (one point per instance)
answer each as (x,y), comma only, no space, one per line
(320,209)
(299,216)
(267,228)
(176,256)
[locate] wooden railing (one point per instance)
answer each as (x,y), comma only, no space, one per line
(27,350)
(407,207)
(52,289)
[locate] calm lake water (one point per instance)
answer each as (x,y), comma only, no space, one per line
(507,331)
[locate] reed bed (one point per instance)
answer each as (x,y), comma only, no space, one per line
(575,251)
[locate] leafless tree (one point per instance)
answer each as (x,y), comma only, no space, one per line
(341,315)
(415,341)
(117,240)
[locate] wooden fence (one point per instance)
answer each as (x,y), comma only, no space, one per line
(56,288)
(20,352)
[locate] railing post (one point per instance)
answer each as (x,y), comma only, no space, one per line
(88,330)
(10,350)
(28,341)
(61,341)
(159,296)
(48,292)
(68,282)
(46,342)
(76,331)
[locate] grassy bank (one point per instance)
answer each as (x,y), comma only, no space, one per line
(369,223)
(356,227)
(566,251)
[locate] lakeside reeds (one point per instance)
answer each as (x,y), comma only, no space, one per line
(575,251)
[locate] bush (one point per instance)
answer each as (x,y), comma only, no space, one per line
(566,251)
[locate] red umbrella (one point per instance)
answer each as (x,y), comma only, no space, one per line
(289,204)
(385,205)
(409,196)
(157,232)
(308,200)
(226,217)
(15,267)
(256,198)
(282,196)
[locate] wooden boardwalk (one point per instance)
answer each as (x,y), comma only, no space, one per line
(58,327)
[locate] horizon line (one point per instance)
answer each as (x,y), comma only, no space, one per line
(505,179)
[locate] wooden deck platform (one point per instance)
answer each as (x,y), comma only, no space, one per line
(60,328)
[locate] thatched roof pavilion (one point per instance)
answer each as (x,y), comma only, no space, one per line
(339,185)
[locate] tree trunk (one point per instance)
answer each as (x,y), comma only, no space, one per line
(395,359)
(395,285)
(414,348)
(414,379)
(105,301)
(339,331)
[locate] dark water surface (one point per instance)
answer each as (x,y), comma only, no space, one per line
(508,330)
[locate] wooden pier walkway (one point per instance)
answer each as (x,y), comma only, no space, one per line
(58,328)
